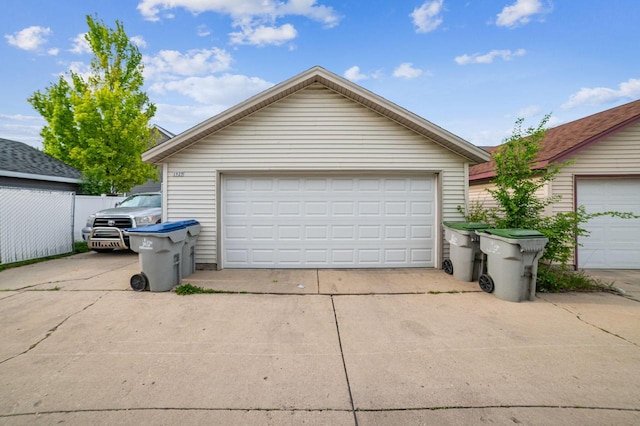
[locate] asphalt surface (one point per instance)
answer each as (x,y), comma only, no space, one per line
(308,347)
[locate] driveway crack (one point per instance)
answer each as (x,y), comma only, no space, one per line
(344,365)
(52,330)
(577,315)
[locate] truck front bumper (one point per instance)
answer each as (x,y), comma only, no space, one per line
(104,238)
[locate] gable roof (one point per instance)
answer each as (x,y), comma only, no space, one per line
(333,82)
(20,160)
(566,140)
(162,135)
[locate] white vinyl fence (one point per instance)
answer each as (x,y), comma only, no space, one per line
(89,204)
(35,223)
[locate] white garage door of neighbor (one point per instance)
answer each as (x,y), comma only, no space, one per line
(613,243)
(328,222)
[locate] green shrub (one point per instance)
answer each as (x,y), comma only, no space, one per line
(558,279)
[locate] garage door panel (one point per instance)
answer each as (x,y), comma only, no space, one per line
(328,222)
(369,208)
(612,242)
(369,232)
(421,232)
(421,255)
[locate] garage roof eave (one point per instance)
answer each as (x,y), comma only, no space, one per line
(333,82)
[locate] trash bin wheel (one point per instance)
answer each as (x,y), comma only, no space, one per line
(139,282)
(447,266)
(486,283)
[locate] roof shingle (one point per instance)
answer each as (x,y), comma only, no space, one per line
(565,140)
(22,158)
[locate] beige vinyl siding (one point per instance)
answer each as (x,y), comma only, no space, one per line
(617,155)
(193,196)
(312,130)
(480,194)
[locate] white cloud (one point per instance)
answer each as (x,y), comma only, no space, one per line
(227,90)
(488,58)
(255,18)
(80,44)
(168,64)
(22,128)
(20,117)
(427,17)
(150,9)
(139,41)
(81,69)
(203,31)
(177,118)
(406,70)
(529,111)
(30,38)
(603,95)
(53,51)
(262,36)
(308,8)
(354,74)
(519,13)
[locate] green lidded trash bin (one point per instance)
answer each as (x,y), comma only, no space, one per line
(160,254)
(464,249)
(512,262)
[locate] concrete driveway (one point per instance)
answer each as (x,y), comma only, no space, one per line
(345,347)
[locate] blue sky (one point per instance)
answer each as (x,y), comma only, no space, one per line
(471,67)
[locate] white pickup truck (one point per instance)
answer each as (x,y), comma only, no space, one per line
(104,229)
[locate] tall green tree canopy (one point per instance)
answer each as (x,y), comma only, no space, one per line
(99,123)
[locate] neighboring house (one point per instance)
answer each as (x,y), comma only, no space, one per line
(24,166)
(604,175)
(316,172)
(162,136)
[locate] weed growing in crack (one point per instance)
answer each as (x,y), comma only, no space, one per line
(187,289)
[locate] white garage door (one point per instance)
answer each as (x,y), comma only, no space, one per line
(613,243)
(328,222)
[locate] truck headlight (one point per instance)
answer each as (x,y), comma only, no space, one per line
(90,220)
(146,220)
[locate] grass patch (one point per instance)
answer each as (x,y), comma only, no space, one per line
(56,288)
(79,247)
(187,289)
(554,279)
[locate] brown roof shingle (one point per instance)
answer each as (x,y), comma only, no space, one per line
(567,139)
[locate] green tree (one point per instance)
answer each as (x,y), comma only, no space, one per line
(99,124)
(518,179)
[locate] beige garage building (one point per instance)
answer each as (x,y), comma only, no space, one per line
(316,172)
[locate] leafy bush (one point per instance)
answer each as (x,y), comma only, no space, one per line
(557,279)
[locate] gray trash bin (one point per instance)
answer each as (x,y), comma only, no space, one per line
(512,262)
(464,250)
(189,247)
(160,253)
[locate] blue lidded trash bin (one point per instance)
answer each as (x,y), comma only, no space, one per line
(189,247)
(160,255)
